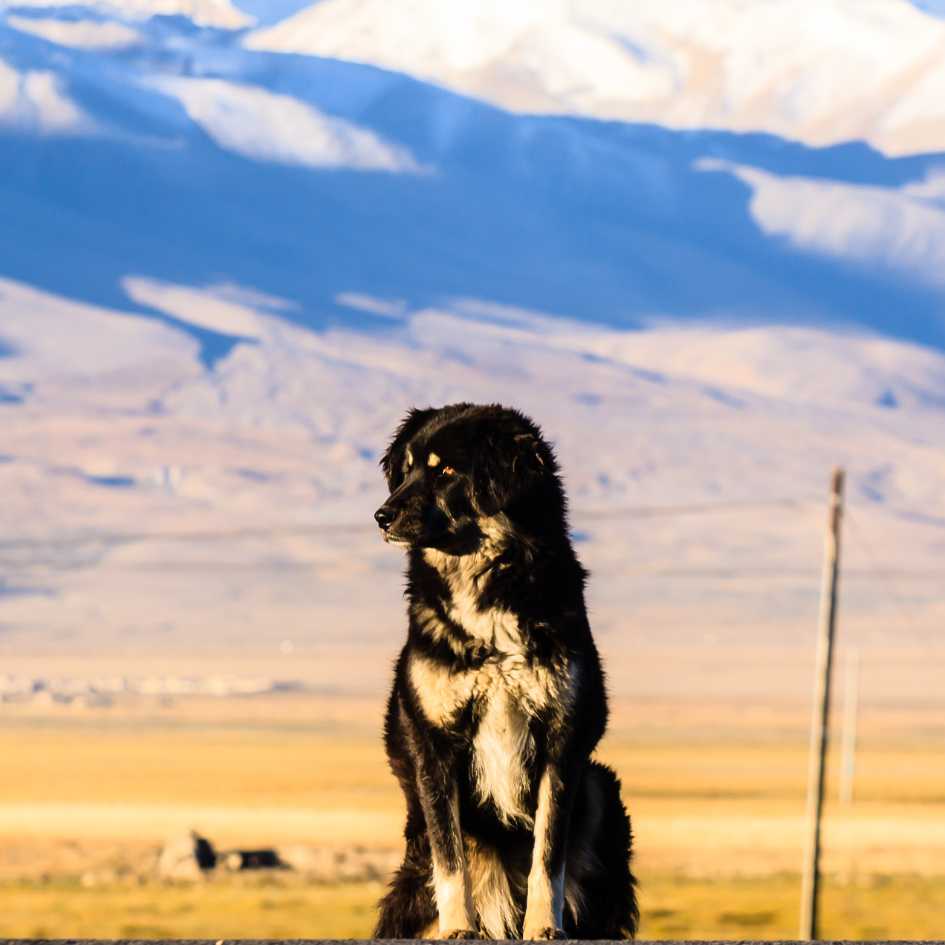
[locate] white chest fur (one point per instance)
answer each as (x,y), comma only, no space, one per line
(503,745)
(466,576)
(509,690)
(508,693)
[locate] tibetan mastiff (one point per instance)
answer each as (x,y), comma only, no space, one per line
(498,699)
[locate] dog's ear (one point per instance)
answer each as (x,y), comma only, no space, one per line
(507,467)
(392,462)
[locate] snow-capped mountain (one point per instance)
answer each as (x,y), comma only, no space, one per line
(310,178)
(238,239)
(819,71)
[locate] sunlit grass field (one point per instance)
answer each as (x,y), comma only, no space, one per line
(716,795)
(673,907)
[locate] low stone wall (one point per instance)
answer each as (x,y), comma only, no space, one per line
(319,941)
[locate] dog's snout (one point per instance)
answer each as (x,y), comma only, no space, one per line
(384,516)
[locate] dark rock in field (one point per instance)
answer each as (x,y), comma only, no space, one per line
(237,860)
(186,859)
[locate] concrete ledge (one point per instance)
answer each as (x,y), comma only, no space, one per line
(350,941)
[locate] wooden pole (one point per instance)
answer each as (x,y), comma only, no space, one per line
(851,705)
(810,878)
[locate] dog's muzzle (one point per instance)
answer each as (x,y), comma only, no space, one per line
(385,516)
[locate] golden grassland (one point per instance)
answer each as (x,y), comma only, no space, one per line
(673,907)
(715,790)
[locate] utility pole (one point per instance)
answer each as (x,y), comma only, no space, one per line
(810,879)
(851,704)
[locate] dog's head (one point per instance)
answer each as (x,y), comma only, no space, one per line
(452,470)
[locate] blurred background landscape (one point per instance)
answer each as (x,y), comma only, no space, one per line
(702,243)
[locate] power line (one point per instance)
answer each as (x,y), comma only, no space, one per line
(886,575)
(721,572)
(694,508)
(115,537)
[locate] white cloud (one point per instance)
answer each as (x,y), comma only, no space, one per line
(34,99)
(895,227)
(219,13)
(80,34)
(385,308)
(270,127)
(205,308)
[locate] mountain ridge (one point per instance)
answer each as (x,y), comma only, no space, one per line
(227,273)
(820,71)
(484,195)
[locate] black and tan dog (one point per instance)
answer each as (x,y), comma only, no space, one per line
(498,699)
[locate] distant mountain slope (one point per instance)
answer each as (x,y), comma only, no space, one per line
(225,272)
(819,71)
(189,160)
(151,503)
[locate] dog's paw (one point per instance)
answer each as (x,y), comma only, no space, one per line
(460,933)
(546,934)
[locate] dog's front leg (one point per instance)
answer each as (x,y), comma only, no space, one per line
(439,798)
(544,909)
(450,876)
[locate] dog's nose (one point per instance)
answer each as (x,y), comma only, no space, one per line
(384,516)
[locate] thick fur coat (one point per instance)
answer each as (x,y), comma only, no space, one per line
(498,698)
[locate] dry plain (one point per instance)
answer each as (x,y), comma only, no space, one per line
(714,783)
